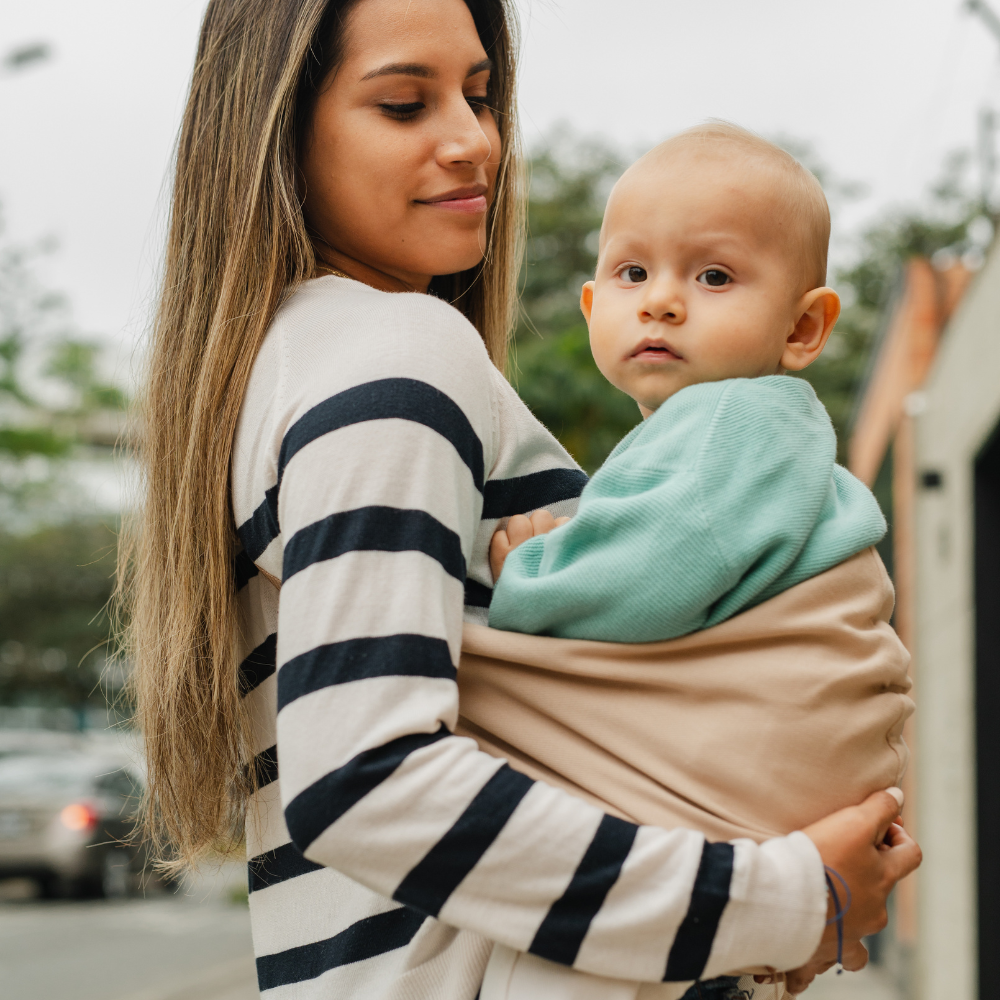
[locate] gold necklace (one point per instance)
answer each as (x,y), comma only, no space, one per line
(326,269)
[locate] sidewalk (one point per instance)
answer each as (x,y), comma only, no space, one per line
(869,984)
(192,945)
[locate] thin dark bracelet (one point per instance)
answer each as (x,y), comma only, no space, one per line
(838,915)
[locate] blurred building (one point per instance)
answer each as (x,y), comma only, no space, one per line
(926,439)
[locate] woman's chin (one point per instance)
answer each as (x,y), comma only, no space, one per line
(453,256)
(442,266)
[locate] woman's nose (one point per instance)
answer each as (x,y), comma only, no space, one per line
(663,302)
(464,140)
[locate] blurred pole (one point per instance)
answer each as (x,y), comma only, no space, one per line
(987,117)
(987,155)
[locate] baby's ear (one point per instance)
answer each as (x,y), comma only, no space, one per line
(587,299)
(818,312)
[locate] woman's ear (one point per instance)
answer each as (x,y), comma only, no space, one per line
(818,312)
(587,300)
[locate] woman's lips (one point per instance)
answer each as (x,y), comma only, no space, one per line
(469,206)
(466,201)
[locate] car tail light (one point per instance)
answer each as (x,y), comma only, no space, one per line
(79,817)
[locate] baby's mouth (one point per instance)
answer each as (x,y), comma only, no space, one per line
(655,351)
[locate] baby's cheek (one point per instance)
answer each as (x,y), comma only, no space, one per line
(605,348)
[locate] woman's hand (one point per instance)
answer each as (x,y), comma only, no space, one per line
(867,847)
(798,980)
(519,529)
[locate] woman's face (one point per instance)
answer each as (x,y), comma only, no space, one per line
(402,159)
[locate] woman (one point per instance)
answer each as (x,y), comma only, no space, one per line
(345,220)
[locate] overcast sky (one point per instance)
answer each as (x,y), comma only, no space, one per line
(882,88)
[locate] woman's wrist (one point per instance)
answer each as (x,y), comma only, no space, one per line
(777,906)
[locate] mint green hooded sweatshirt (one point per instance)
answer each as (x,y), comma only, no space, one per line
(727,495)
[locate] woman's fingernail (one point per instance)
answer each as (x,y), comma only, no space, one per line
(897,794)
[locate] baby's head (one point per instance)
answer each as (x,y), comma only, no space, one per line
(712,265)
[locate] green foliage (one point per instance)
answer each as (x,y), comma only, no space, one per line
(553,368)
(20,442)
(74,363)
(54,585)
(34,325)
(56,580)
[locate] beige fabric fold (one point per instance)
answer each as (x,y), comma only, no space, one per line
(753,728)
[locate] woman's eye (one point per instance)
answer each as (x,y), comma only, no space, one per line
(402,112)
(479,104)
(633,275)
(714,278)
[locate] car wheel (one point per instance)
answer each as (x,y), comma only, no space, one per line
(51,887)
(116,875)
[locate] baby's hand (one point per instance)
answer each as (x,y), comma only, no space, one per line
(519,529)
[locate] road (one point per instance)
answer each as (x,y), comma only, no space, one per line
(194,945)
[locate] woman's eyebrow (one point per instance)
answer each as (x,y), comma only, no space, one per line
(420,70)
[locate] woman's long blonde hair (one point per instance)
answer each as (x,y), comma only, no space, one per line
(237,246)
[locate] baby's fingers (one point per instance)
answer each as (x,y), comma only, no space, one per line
(499,549)
(519,529)
(542,522)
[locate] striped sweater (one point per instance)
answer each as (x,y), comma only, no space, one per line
(377,450)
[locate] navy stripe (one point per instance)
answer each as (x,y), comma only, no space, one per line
(477,595)
(259,665)
(358,659)
(265,766)
(243,570)
(430,883)
(261,528)
(326,800)
(276,866)
(522,494)
(693,942)
(388,399)
(384,399)
(365,939)
(374,529)
(566,924)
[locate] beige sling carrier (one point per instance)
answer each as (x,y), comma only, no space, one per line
(752,728)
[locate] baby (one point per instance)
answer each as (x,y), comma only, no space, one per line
(710,287)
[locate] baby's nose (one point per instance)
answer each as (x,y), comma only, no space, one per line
(672,312)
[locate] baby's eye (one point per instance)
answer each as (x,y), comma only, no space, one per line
(714,278)
(633,275)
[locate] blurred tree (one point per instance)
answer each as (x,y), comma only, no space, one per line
(54,585)
(552,365)
(55,579)
(27,313)
(24,56)
(39,351)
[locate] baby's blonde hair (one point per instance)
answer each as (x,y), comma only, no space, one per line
(795,186)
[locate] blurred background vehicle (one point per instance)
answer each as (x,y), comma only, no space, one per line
(66,820)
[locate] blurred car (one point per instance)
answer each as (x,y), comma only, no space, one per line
(66,819)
